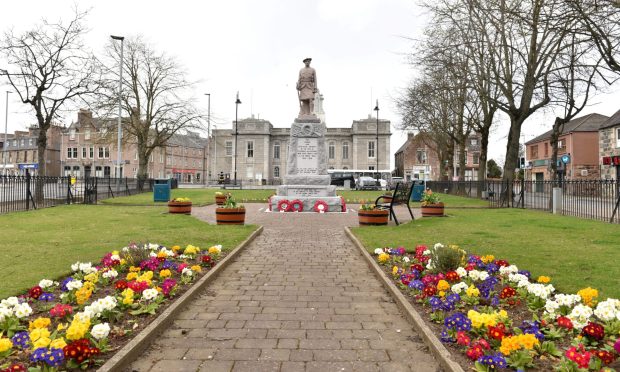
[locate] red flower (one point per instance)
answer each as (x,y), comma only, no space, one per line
(482,343)
(564,322)
(206,259)
(497,332)
(470,266)
(417,267)
(35,292)
(502,263)
(137,287)
(462,338)
(474,352)
(61,310)
(596,331)
(605,356)
(430,291)
(452,276)
(15,367)
(121,285)
(579,356)
(507,292)
(182,266)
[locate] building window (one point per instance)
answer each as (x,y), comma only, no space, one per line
(345,150)
(546,149)
(161,157)
(83,152)
(561,144)
(332,150)
(421,156)
(617,137)
(72,152)
(30,142)
(229,148)
(104,152)
(371,167)
(371,149)
(534,151)
(474,142)
(15,143)
(87,134)
(106,171)
(250,149)
(72,134)
(476,159)
(276,150)
(276,172)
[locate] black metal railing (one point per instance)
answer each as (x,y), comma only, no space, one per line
(22,193)
(591,199)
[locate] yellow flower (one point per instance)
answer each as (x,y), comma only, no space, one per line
(165,273)
(77,329)
(472,291)
(61,326)
(132,276)
(443,285)
(83,294)
(116,253)
(5,344)
(588,296)
(134,269)
(88,286)
(146,277)
(488,258)
(191,250)
(215,250)
(58,343)
(513,343)
(543,279)
(123,261)
(394,270)
(92,277)
(384,257)
(196,268)
(39,323)
(175,248)
(161,255)
(42,342)
(442,293)
(480,320)
(38,333)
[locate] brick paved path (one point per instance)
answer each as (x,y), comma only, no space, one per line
(299,298)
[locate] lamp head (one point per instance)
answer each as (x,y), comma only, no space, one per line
(376,107)
(121,38)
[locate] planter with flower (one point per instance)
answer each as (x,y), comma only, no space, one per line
(180,205)
(220,198)
(494,316)
(431,205)
(369,215)
(230,213)
(79,321)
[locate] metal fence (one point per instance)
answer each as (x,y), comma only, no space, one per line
(591,199)
(22,193)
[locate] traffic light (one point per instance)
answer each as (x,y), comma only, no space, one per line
(522,162)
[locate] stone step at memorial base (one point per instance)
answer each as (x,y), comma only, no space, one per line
(322,179)
(334,203)
(306,190)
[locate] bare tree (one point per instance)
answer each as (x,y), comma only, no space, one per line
(156,97)
(49,68)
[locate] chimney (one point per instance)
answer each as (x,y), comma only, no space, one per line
(84,116)
(410,135)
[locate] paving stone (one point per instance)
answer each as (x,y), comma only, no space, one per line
(176,365)
(216,366)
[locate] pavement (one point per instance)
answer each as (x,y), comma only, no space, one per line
(298,298)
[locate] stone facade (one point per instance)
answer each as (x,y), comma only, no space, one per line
(263,149)
(609,147)
(415,157)
(21,151)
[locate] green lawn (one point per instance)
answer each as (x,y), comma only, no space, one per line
(576,253)
(44,243)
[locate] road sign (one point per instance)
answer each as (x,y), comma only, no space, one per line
(29,166)
(565,159)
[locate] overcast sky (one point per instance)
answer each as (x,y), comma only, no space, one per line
(358,48)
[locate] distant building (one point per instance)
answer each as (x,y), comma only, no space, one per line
(609,147)
(578,150)
(472,158)
(263,149)
(416,158)
(21,152)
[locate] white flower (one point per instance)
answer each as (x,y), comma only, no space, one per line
(606,310)
(82,316)
(153,254)
(22,310)
(110,274)
(5,312)
(518,278)
(187,272)
(505,270)
(184,256)
(430,265)
(125,249)
(539,290)
(100,331)
(167,252)
(567,300)
(87,268)
(74,284)
(580,315)
(46,283)
(462,272)
(378,251)
(459,287)
(406,259)
(438,245)
(484,275)
(10,302)
(426,252)
(149,294)
(115,257)
(108,302)
(551,306)
(75,267)
(153,246)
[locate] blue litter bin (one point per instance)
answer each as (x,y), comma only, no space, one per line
(418,191)
(161,190)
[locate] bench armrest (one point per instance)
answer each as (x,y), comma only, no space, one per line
(382,197)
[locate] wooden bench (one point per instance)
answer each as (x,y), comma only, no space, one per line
(401,195)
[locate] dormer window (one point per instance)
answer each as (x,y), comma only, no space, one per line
(87,134)
(72,134)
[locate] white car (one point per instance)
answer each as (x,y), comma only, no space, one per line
(368,183)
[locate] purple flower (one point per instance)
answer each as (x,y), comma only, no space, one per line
(453,298)
(435,303)
(617,346)
(526,273)
(169,265)
(495,361)
(416,284)
(47,297)
(21,339)
(458,321)
(532,327)
(446,337)
(63,284)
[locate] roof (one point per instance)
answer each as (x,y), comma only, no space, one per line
(613,121)
(191,139)
(588,123)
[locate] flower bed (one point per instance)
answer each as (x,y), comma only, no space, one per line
(82,320)
(493,316)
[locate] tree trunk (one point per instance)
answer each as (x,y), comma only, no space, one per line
(41,146)
(512,156)
(482,161)
(462,163)
(142,168)
(558,125)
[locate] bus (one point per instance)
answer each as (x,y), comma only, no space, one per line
(339,176)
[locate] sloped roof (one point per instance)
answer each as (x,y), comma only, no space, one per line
(613,121)
(588,123)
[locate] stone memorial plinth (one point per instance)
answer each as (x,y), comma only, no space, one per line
(307,180)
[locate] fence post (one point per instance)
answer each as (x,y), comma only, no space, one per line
(27,190)
(68,189)
(557,200)
(523,192)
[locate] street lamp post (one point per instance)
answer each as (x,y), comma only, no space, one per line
(6,136)
(210,168)
(377,146)
(119,151)
(237,102)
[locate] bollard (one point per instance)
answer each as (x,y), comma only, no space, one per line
(557,200)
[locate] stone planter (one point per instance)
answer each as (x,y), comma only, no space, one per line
(179,207)
(220,199)
(230,216)
(373,217)
(432,210)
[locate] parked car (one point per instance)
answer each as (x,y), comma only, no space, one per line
(367,183)
(393,182)
(338,179)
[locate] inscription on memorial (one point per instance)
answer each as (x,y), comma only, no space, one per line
(307,156)
(301,192)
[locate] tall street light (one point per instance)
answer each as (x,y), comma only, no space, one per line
(120,101)
(237,102)
(6,126)
(377,147)
(209,170)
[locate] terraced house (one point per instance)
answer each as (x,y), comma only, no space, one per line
(609,147)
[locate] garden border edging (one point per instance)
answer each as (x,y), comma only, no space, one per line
(439,351)
(134,348)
